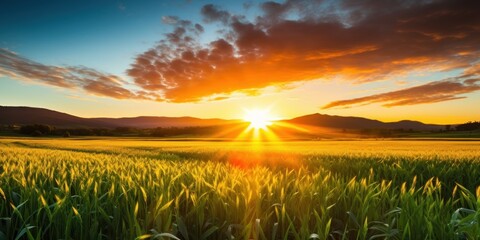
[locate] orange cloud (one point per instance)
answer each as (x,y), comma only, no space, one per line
(293,41)
(438,91)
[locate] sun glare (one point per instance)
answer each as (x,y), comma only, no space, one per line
(259,119)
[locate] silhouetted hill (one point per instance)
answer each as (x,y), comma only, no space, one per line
(153,122)
(329,121)
(30,115)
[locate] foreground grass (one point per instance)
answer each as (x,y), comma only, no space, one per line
(118,189)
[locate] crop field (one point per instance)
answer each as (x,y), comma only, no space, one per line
(147,189)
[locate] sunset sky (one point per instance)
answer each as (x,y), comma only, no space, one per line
(387,60)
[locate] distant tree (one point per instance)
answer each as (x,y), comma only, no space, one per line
(66,134)
(36,133)
(45,129)
(448,128)
(101,132)
(35,129)
(385,133)
(83,132)
(27,129)
(469,126)
(123,130)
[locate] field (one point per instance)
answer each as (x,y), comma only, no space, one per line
(142,189)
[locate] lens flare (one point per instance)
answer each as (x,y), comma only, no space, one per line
(258,119)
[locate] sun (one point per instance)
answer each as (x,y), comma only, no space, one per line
(258,118)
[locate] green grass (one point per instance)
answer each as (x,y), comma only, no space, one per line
(127,189)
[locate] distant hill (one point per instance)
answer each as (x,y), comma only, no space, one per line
(153,122)
(30,115)
(329,121)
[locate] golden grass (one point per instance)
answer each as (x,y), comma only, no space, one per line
(126,189)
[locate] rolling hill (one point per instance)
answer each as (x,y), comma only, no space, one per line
(329,121)
(29,115)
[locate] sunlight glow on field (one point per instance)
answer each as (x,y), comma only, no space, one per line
(259,128)
(153,186)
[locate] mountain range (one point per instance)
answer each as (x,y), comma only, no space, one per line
(10,115)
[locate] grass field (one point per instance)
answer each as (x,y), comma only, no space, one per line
(136,188)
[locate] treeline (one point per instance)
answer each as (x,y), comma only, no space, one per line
(46,130)
(383,132)
(177,131)
(469,126)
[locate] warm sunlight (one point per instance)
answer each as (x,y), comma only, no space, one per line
(239,119)
(259,119)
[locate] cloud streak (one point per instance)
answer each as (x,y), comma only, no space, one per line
(437,91)
(94,82)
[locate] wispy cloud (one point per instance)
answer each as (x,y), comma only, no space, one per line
(437,91)
(14,66)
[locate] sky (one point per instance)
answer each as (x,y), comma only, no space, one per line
(386,60)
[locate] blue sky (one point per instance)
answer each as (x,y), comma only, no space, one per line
(109,39)
(104,34)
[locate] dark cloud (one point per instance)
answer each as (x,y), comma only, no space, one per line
(438,91)
(212,13)
(199,28)
(359,41)
(92,81)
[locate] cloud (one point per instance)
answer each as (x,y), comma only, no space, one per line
(358,41)
(169,20)
(437,91)
(212,13)
(14,66)
(288,42)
